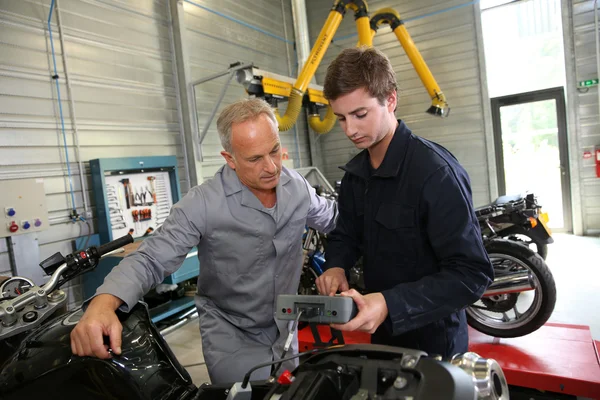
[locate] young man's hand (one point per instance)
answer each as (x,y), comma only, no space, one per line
(331,281)
(372,311)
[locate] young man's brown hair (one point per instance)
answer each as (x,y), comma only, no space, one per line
(360,67)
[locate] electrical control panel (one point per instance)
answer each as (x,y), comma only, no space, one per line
(23,207)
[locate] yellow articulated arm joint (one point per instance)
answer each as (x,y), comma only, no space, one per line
(389,16)
(325,125)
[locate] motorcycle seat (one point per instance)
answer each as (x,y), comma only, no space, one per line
(509,198)
(488,208)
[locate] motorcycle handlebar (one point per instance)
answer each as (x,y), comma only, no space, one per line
(114,245)
(30,296)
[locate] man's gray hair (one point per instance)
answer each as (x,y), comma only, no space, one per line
(241,111)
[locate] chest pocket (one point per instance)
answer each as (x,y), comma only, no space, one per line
(397,233)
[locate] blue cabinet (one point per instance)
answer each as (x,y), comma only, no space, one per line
(134,196)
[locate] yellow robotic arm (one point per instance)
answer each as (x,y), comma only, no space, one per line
(389,16)
(314,59)
(275,87)
(365,38)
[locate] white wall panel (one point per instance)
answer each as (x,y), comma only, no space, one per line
(121,71)
(587,124)
(214,42)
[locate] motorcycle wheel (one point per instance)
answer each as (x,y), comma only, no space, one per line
(499,316)
(523,238)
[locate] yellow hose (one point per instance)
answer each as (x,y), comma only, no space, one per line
(325,125)
(291,114)
(314,59)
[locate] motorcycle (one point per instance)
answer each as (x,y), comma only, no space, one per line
(517,218)
(522,278)
(523,295)
(41,363)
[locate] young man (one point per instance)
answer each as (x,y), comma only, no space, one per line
(248,223)
(405,206)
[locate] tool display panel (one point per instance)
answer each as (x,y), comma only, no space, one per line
(133,195)
(137,201)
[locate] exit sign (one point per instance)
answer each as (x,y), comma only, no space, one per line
(588,83)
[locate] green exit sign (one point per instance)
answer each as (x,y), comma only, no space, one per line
(588,83)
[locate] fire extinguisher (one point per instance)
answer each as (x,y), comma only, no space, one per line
(598,162)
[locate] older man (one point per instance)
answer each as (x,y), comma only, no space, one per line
(247,222)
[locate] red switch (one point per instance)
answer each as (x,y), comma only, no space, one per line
(598,162)
(286,378)
(13,227)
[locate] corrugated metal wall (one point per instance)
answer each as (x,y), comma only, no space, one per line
(588,116)
(217,36)
(120,66)
(120,63)
(449,45)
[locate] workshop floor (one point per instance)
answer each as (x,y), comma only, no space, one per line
(575,265)
(187,347)
(573,260)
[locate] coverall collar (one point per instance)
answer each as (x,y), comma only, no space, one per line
(232,185)
(394,157)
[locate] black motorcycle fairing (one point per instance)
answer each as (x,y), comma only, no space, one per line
(372,370)
(365,371)
(539,234)
(146,369)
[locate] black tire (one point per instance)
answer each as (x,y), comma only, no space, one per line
(546,288)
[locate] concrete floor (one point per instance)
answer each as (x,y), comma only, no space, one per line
(574,262)
(186,344)
(575,265)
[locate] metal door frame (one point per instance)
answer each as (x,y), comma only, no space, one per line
(557,94)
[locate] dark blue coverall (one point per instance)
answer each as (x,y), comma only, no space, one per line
(412,220)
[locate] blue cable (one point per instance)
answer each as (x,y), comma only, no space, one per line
(62,120)
(247,25)
(419,17)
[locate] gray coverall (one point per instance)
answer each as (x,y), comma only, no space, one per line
(247,258)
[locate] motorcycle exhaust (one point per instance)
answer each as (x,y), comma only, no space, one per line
(511,283)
